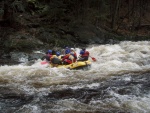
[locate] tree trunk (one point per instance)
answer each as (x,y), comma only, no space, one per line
(114,16)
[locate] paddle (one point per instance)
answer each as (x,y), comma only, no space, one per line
(94,59)
(44,62)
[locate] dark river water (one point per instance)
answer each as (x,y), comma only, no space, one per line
(118,82)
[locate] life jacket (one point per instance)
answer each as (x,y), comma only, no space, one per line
(60,57)
(73,53)
(55,60)
(53,56)
(67,59)
(48,56)
(85,54)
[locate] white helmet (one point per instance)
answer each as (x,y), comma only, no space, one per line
(72,49)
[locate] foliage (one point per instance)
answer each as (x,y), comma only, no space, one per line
(18,6)
(66,22)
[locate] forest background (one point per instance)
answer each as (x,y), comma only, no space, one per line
(27,25)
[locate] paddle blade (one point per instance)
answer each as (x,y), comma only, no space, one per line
(44,62)
(94,59)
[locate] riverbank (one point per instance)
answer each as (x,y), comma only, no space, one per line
(38,25)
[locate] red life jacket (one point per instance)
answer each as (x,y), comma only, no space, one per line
(86,54)
(66,59)
(75,57)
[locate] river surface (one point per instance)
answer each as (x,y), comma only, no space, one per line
(118,82)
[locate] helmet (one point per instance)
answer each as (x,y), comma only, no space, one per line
(57,53)
(72,49)
(49,51)
(67,51)
(83,49)
(81,52)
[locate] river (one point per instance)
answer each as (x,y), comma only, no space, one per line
(118,82)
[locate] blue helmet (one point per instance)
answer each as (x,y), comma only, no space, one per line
(83,49)
(81,52)
(58,53)
(49,51)
(67,51)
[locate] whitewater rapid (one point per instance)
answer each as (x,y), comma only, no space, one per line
(117,66)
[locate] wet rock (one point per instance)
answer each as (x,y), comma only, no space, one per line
(19,56)
(22,42)
(35,56)
(8,62)
(13,97)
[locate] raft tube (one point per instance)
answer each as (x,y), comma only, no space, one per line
(76,65)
